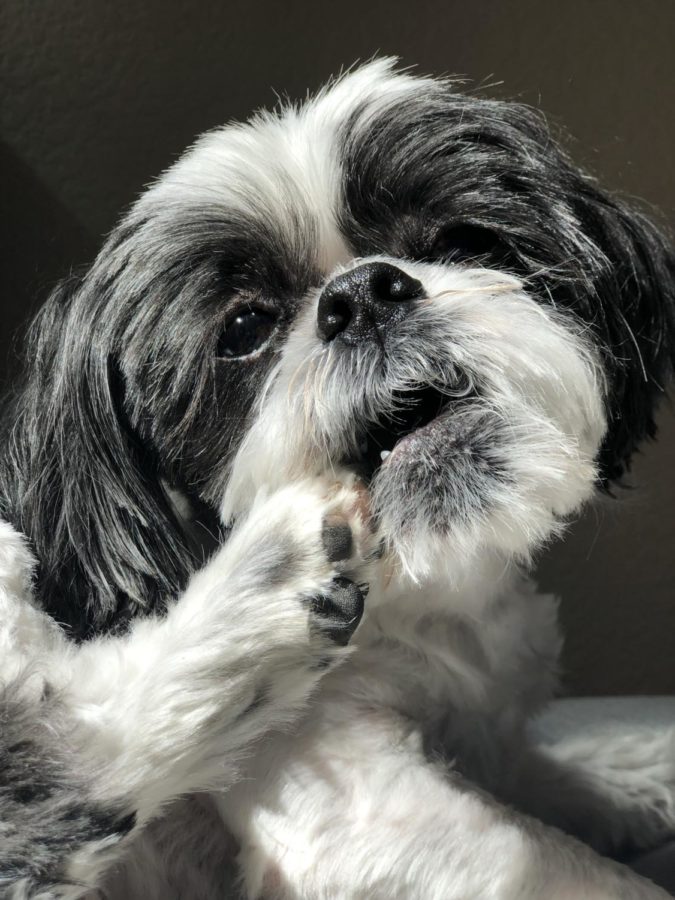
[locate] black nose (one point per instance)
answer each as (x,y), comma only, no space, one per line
(359,304)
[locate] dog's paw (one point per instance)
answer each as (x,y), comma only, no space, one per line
(309,544)
(349,546)
(275,608)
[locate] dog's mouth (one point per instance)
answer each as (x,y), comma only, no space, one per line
(415,409)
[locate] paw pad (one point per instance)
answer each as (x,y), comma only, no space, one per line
(339,610)
(337,538)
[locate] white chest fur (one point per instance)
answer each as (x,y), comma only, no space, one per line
(488,647)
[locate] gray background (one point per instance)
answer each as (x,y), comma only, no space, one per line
(97,97)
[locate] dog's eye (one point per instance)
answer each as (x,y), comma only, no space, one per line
(461,242)
(246,333)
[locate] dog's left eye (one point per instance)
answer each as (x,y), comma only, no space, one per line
(246,333)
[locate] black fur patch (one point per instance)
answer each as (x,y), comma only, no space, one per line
(45,811)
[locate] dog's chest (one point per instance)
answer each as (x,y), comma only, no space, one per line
(428,662)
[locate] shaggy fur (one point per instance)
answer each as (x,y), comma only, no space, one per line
(386,342)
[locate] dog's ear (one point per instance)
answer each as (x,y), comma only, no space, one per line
(77,482)
(587,251)
(632,312)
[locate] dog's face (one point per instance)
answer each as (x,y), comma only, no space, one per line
(394,279)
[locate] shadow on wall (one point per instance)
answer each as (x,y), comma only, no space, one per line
(614,575)
(36,239)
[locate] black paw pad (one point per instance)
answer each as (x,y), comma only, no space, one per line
(340,610)
(337,539)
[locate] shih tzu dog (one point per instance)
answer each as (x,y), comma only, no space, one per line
(384,344)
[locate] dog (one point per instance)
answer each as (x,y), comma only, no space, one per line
(377,347)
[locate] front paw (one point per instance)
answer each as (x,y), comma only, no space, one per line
(309,546)
(349,545)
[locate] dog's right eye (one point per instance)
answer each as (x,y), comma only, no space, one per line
(461,243)
(246,333)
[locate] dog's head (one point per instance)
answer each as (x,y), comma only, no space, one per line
(394,278)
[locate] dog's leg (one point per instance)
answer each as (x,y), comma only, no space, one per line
(96,739)
(352,808)
(616,791)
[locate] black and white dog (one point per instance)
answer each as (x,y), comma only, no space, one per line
(392,338)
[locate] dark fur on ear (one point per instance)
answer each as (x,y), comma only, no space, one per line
(124,395)
(75,480)
(636,288)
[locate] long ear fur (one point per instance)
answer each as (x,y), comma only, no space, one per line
(78,484)
(635,284)
(599,257)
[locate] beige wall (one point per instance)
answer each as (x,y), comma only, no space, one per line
(96,97)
